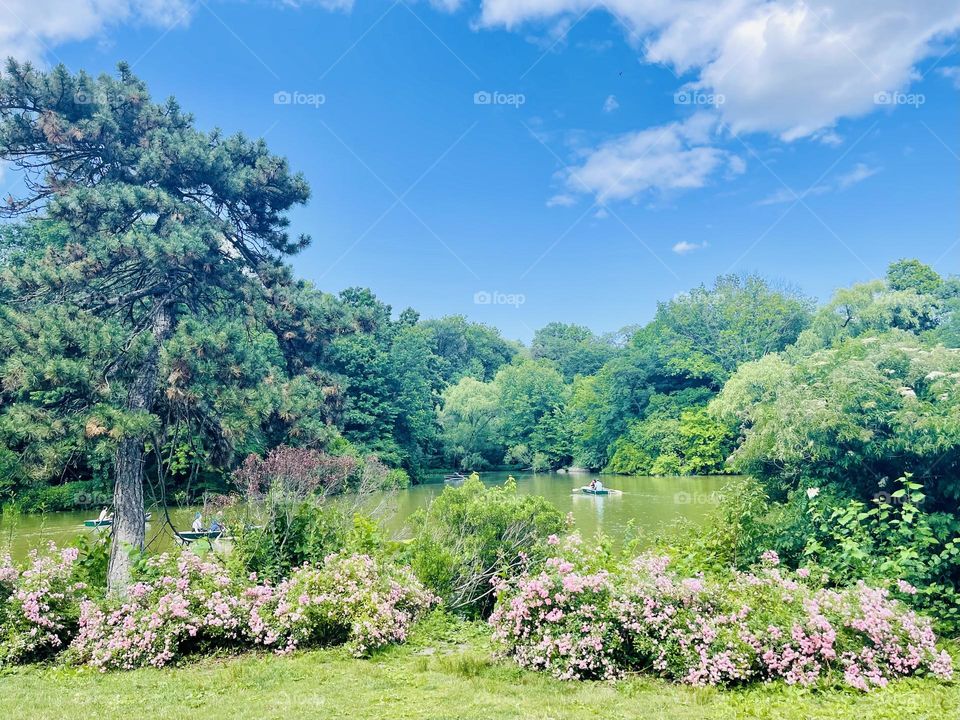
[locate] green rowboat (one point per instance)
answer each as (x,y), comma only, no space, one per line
(107,522)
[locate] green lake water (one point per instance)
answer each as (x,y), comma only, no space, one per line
(647,502)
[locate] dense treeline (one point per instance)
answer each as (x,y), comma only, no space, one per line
(153,336)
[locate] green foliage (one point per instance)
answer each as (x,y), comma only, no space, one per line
(707,333)
(891,538)
(911,274)
(472,534)
(285,534)
(874,407)
(467,349)
(470,418)
(573,348)
(694,444)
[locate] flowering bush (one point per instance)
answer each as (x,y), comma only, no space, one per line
(39,605)
(558,620)
(351,598)
(181,604)
(761,625)
(184,604)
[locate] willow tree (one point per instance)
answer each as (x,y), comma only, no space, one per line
(158,221)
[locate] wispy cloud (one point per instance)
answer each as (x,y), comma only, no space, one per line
(561,200)
(859,173)
(951,73)
(610,104)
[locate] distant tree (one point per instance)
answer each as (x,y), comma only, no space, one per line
(466,348)
(573,348)
(531,397)
(913,275)
(870,308)
(707,332)
(470,418)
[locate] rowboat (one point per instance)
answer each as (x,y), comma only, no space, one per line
(108,522)
(191,536)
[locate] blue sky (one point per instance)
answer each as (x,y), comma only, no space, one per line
(522,161)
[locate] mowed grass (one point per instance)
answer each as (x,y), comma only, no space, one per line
(446,672)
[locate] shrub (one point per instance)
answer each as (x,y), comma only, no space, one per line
(472,534)
(288,519)
(181,604)
(39,605)
(352,599)
(559,619)
(764,625)
(276,536)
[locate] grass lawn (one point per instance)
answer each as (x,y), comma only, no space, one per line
(445,672)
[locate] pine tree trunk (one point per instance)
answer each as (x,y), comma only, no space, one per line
(129,523)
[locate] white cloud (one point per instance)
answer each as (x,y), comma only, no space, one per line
(31,29)
(610,104)
(675,156)
(786,67)
(684,247)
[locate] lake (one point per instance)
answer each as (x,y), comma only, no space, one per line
(649,502)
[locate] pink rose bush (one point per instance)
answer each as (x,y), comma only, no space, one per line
(559,619)
(353,599)
(182,604)
(39,605)
(764,625)
(186,605)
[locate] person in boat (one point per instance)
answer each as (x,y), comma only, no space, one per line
(104,514)
(593,484)
(198,523)
(216,526)
(598,485)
